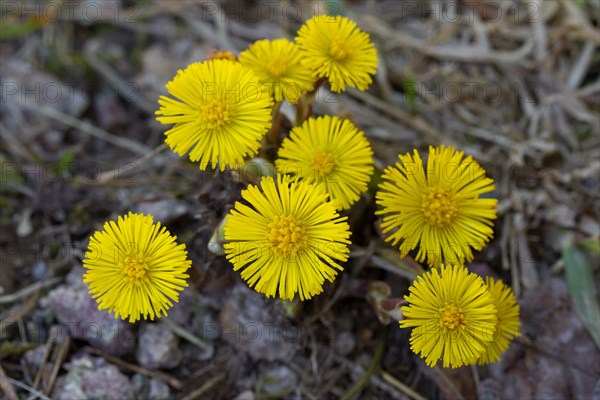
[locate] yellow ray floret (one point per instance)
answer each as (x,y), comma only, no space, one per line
(286,238)
(336,49)
(508,320)
(440,210)
(277,63)
(452,316)
(221,112)
(331,151)
(135,268)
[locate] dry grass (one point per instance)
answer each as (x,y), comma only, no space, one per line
(514,83)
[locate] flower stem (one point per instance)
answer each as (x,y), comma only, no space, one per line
(371,368)
(273,134)
(305,104)
(271,139)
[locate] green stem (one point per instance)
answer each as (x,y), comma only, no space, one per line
(273,135)
(372,366)
(271,139)
(305,104)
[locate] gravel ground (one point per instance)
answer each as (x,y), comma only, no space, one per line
(513,83)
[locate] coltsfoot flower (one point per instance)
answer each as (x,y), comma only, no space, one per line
(336,49)
(277,63)
(331,151)
(508,324)
(135,268)
(220,54)
(452,315)
(221,113)
(440,210)
(287,238)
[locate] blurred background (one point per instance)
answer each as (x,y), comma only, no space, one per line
(514,83)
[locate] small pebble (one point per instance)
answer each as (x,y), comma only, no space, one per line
(158,347)
(344,343)
(279,379)
(92,378)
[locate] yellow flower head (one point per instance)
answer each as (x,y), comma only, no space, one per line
(332,151)
(135,268)
(217,54)
(452,314)
(288,238)
(221,112)
(508,324)
(277,63)
(336,49)
(440,210)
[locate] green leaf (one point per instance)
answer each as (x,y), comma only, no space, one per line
(580,279)
(375,181)
(10,30)
(67,157)
(65,161)
(411,93)
(591,245)
(334,8)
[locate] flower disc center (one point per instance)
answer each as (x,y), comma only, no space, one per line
(134,266)
(324,163)
(439,206)
(339,50)
(452,317)
(286,235)
(276,67)
(216,113)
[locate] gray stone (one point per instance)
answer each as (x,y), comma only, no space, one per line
(35,356)
(164,211)
(159,390)
(139,382)
(344,343)
(181,311)
(158,347)
(92,378)
(150,388)
(207,325)
(197,353)
(75,309)
(253,324)
(245,395)
(279,379)
(39,271)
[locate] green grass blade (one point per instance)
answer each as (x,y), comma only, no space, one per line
(580,279)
